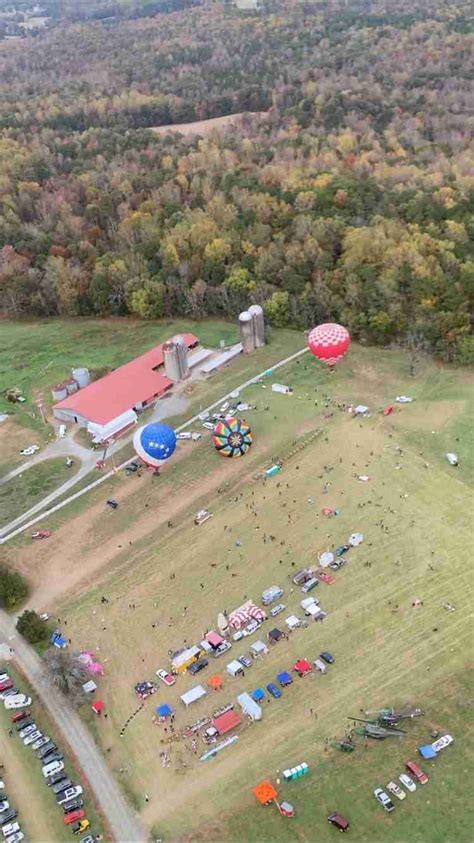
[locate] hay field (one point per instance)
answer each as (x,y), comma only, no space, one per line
(417,526)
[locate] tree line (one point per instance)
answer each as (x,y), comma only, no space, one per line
(349,198)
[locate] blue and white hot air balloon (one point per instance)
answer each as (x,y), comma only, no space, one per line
(154,443)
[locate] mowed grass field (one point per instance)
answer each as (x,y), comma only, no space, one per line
(166,585)
(41,819)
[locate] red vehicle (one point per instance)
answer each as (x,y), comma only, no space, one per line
(41,534)
(20,715)
(5,686)
(416,772)
(74,816)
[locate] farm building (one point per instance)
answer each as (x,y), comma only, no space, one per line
(108,406)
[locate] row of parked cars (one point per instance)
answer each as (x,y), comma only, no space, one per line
(408,782)
(68,795)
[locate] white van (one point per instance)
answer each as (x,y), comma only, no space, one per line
(271,594)
(308,586)
(17,701)
(50,769)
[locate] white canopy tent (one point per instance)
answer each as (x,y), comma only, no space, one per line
(193,695)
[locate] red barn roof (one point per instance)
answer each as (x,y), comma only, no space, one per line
(122,389)
(226,722)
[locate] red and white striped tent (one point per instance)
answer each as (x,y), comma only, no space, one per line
(244,614)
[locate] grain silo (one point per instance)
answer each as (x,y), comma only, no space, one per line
(71,386)
(258,320)
(246,332)
(182,348)
(82,376)
(59,392)
(171,361)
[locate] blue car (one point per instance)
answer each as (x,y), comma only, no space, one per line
(274,690)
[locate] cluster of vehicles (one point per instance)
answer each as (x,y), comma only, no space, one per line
(408,782)
(68,795)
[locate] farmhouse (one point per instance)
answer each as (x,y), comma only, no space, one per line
(108,406)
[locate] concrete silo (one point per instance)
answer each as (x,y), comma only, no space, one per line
(171,361)
(258,320)
(246,332)
(182,348)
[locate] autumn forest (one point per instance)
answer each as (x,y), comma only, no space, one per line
(343,192)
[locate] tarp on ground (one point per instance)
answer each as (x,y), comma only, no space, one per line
(193,695)
(427,751)
(227,721)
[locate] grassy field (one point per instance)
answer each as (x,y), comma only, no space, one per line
(415,514)
(25,490)
(40,818)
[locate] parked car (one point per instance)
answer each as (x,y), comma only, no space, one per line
(166,677)
(10,828)
(395,790)
(81,826)
(384,800)
(53,756)
(337,563)
(27,730)
(18,701)
(277,610)
(2,785)
(112,503)
(442,742)
(5,685)
(40,742)
(339,822)
(20,715)
(8,816)
(68,794)
(407,782)
(28,452)
(274,690)
(23,724)
(54,767)
(197,666)
(88,839)
(58,778)
(72,805)
(327,657)
(74,816)
(32,737)
(46,749)
(15,838)
(9,692)
(208,425)
(417,772)
(41,534)
(245,661)
(61,785)
(4,806)
(4,676)
(251,628)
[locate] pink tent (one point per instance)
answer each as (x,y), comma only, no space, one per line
(96,667)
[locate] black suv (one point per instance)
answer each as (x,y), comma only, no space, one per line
(197,666)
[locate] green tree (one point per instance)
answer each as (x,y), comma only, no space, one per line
(30,625)
(67,673)
(13,588)
(277,309)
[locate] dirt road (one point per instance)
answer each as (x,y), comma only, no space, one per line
(125,825)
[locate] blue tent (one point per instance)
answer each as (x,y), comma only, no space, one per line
(58,640)
(164,710)
(284,678)
(427,751)
(258,694)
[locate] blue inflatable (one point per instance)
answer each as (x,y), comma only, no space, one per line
(154,443)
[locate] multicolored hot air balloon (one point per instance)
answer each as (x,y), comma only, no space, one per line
(329,342)
(232,437)
(154,443)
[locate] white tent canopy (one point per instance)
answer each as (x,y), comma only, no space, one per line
(258,648)
(193,695)
(234,668)
(293,622)
(356,539)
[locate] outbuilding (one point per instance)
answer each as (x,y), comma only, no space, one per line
(195,694)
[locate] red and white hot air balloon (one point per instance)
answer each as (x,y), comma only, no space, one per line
(329,342)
